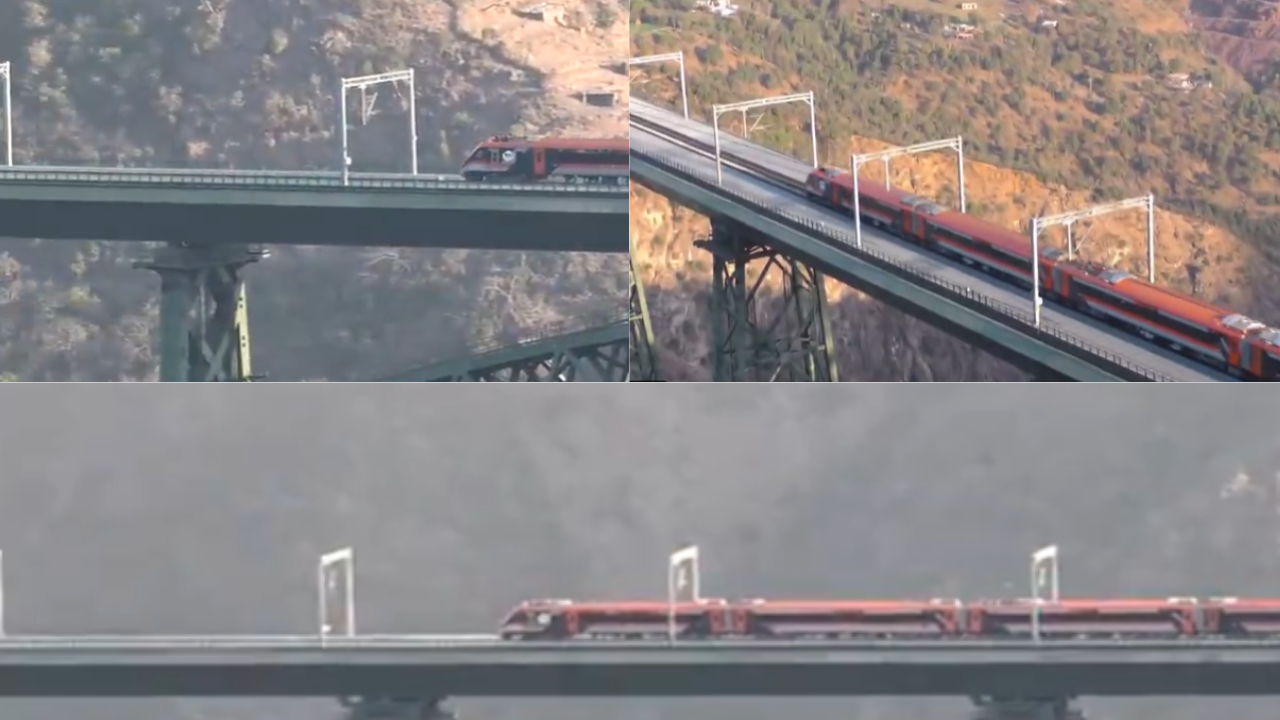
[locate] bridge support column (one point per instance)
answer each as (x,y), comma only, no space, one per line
(397,709)
(988,708)
(788,341)
(643,363)
(204,318)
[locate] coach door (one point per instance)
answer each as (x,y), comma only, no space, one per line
(915,224)
(539,163)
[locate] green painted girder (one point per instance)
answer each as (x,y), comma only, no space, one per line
(459,666)
(204,314)
(1044,354)
(643,356)
(246,208)
(593,354)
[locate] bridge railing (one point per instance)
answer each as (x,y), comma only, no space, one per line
(221,178)
(959,292)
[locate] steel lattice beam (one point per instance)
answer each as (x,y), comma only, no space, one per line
(794,344)
(596,354)
(204,316)
(643,360)
(397,709)
(988,708)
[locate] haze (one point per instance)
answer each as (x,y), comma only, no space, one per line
(201,510)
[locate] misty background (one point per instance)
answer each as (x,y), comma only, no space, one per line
(200,509)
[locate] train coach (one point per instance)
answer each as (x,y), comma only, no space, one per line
(567,160)
(879,620)
(1212,335)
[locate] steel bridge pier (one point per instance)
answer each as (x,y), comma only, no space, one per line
(643,359)
(754,341)
(204,318)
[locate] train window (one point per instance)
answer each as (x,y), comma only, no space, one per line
(1241,323)
(915,202)
(1270,336)
(1112,276)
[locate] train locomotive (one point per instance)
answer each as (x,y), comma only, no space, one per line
(1169,619)
(568,160)
(1236,344)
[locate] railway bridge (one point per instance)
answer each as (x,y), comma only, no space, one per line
(759,217)
(224,221)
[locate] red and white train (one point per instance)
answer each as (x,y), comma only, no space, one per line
(718,619)
(570,160)
(1216,336)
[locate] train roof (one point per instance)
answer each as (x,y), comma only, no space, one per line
(849,605)
(618,606)
(975,227)
(1169,300)
(1088,603)
(998,235)
(557,143)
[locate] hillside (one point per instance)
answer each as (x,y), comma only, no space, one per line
(249,84)
(799,494)
(1053,118)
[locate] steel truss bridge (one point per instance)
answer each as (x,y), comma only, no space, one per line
(218,222)
(595,354)
(757,219)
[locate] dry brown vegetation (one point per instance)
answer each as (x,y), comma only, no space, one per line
(1052,121)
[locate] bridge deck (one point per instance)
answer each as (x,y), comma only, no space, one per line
(235,207)
(483,665)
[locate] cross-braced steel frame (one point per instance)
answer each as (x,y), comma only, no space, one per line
(762,341)
(643,360)
(988,708)
(204,316)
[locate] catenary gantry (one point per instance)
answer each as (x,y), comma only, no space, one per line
(752,217)
(473,665)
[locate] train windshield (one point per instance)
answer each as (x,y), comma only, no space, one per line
(1111,276)
(1270,336)
(491,155)
(1242,323)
